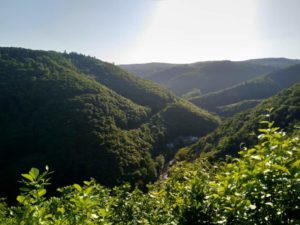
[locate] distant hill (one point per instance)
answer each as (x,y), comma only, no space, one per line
(237,98)
(276,63)
(87,118)
(196,79)
(146,69)
(234,108)
(238,131)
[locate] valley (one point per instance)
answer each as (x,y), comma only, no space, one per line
(155,145)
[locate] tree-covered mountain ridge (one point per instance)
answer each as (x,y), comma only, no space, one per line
(66,112)
(87,118)
(260,187)
(250,91)
(238,131)
(196,79)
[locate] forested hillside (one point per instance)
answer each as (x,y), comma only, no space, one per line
(260,187)
(239,131)
(87,118)
(196,79)
(237,98)
(146,69)
(276,63)
(150,112)
(84,118)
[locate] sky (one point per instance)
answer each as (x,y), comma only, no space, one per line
(140,31)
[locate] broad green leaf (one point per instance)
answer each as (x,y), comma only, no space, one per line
(88,183)
(94,216)
(34,172)
(27,176)
(282,168)
(256,157)
(264,122)
(296,164)
(263,130)
(77,187)
(277,135)
(88,190)
(221,189)
(48,216)
(24,189)
(41,211)
(102,212)
(61,210)
(227,208)
(21,198)
(42,192)
(251,151)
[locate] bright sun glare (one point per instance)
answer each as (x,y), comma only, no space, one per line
(193,30)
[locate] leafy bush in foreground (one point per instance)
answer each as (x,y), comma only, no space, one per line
(260,187)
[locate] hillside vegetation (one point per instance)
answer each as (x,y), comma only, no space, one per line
(82,118)
(237,132)
(87,118)
(276,63)
(259,88)
(196,79)
(146,69)
(260,187)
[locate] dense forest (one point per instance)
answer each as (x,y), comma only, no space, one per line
(195,79)
(223,87)
(260,187)
(240,129)
(83,141)
(235,99)
(87,118)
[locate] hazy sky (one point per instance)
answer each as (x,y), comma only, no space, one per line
(135,31)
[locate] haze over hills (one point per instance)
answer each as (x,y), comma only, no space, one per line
(204,77)
(247,94)
(277,63)
(87,118)
(147,69)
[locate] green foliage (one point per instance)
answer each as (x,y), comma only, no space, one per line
(4,211)
(217,85)
(260,187)
(203,76)
(182,154)
(232,109)
(86,118)
(134,88)
(147,69)
(89,203)
(239,130)
(261,87)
